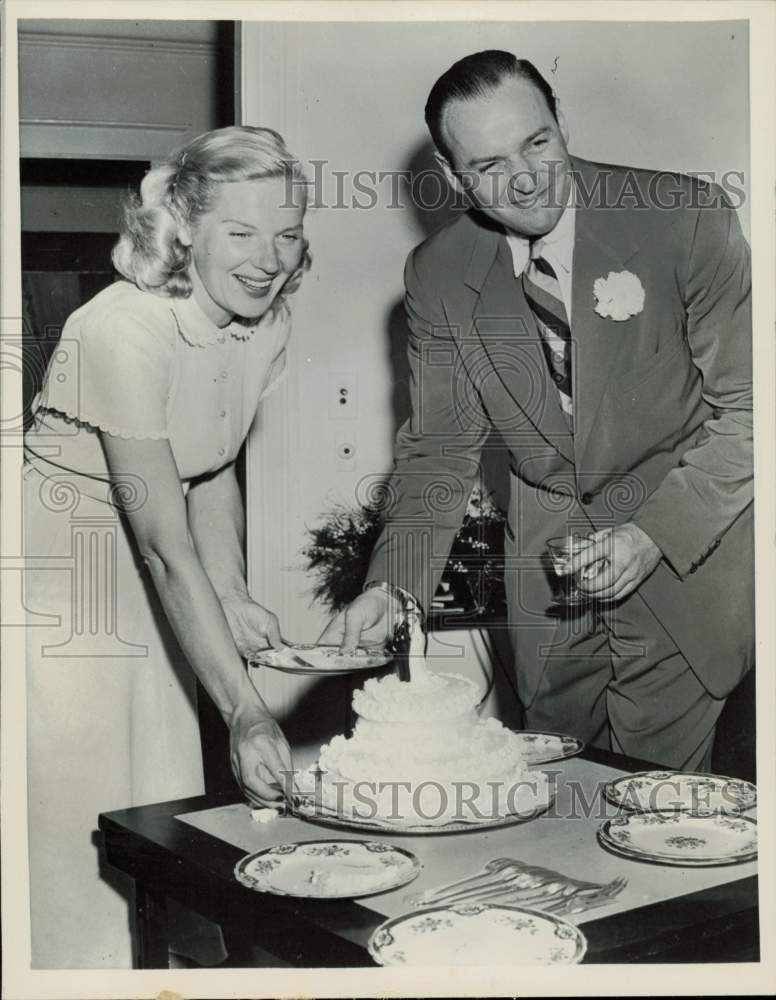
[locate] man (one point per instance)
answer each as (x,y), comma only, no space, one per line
(598,318)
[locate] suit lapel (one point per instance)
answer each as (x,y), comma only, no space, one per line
(506,329)
(602,243)
(505,326)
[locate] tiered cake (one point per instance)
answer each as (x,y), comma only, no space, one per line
(420,754)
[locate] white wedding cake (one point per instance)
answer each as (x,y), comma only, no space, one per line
(420,753)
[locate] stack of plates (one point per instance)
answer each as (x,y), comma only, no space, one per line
(681,818)
(682,837)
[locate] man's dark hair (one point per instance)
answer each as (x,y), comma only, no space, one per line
(478,75)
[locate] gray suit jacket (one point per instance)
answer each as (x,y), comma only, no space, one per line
(663,410)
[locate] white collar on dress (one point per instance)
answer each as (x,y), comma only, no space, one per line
(198,330)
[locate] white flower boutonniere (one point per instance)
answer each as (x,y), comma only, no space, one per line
(619,295)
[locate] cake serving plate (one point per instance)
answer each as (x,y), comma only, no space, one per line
(325,660)
(308,807)
(472,934)
(328,869)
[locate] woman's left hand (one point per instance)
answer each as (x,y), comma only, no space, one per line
(251,625)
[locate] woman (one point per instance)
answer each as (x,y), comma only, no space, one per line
(134,522)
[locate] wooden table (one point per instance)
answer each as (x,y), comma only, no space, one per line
(171,859)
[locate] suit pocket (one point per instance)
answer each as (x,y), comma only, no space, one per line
(635,378)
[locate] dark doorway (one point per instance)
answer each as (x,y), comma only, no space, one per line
(62,269)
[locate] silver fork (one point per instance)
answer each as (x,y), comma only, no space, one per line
(587,899)
(491,875)
(525,886)
(522,886)
(511,880)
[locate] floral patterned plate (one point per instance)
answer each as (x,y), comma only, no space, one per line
(328,869)
(682,837)
(544,748)
(651,790)
(477,934)
(309,658)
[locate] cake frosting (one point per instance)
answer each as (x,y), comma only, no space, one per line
(420,752)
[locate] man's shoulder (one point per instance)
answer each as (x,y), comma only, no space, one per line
(612,185)
(449,247)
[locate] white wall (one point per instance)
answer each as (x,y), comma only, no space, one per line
(670,96)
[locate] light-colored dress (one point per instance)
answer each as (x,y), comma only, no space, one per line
(111,701)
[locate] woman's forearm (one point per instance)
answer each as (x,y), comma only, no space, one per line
(258,751)
(217,524)
(195,614)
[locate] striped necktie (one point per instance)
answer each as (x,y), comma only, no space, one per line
(542,291)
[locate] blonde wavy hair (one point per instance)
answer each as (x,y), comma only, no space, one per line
(181,189)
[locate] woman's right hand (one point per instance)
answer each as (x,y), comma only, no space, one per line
(261,758)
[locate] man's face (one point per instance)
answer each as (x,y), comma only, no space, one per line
(508,151)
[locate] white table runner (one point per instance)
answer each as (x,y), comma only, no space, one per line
(564,840)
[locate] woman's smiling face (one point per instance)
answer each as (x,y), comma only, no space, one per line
(245,248)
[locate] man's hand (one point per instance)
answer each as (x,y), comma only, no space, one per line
(261,758)
(372,612)
(625,555)
(251,625)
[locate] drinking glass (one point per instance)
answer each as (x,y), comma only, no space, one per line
(562,549)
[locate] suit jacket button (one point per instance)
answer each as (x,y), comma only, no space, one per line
(587,499)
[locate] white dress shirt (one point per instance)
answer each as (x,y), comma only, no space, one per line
(557,247)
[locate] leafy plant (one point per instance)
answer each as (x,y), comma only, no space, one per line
(339,553)
(340,548)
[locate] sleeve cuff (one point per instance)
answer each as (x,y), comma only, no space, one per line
(404,597)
